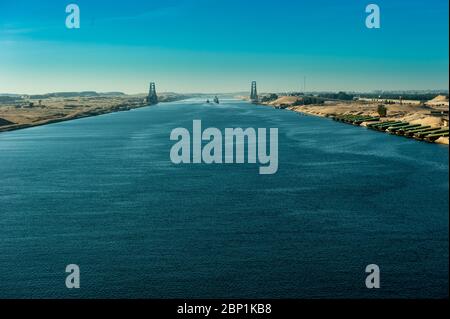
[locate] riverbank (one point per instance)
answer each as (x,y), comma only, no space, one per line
(410,113)
(21,114)
(401,113)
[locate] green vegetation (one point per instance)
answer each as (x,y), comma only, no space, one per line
(308,100)
(268,98)
(355,119)
(338,96)
(382,110)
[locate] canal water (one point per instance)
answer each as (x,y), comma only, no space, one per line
(102,193)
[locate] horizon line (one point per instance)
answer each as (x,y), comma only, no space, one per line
(236,92)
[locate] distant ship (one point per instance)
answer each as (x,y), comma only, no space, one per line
(216,100)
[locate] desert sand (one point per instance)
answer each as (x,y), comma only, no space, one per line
(413,113)
(33,112)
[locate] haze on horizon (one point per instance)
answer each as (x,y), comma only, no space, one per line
(203,46)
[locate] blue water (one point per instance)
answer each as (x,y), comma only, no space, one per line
(101,192)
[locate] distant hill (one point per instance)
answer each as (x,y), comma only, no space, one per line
(62,94)
(75,94)
(9,98)
(9,94)
(112,94)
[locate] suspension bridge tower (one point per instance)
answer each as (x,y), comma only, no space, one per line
(152,98)
(254,93)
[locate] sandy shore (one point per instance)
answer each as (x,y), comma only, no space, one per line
(412,113)
(20,115)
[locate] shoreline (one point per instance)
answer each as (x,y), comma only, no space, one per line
(95,111)
(341,109)
(76,116)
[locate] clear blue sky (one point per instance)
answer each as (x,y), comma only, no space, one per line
(221,45)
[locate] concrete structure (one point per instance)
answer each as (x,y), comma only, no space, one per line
(152,98)
(254,93)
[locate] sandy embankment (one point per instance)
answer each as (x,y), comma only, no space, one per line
(411,113)
(48,110)
(19,115)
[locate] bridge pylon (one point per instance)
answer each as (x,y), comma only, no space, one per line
(254,93)
(152,98)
